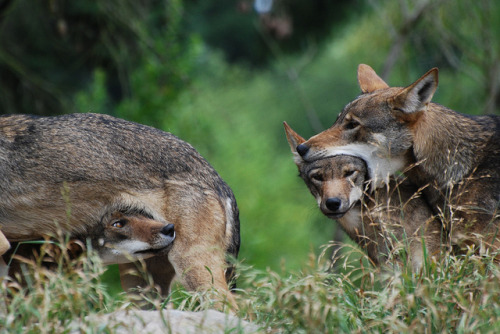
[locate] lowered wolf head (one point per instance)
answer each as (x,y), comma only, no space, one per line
(376,126)
(336,182)
(128,237)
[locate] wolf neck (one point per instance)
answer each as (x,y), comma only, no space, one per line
(446,144)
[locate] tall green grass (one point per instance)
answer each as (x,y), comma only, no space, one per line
(457,294)
(56,291)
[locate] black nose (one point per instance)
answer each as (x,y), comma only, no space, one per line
(333,203)
(168,230)
(302,149)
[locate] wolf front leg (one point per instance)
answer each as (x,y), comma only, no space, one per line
(4,247)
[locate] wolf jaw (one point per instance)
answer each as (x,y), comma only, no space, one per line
(131,250)
(380,167)
(374,145)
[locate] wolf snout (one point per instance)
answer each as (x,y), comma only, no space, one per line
(334,207)
(302,149)
(168,230)
(165,239)
(333,204)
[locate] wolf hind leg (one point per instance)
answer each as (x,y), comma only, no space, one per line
(199,251)
(202,269)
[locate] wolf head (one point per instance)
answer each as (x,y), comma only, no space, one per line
(376,126)
(131,237)
(336,182)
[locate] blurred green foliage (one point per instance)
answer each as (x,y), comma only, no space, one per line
(244,36)
(50,49)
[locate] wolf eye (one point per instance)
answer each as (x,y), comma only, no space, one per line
(352,124)
(349,173)
(317,177)
(119,223)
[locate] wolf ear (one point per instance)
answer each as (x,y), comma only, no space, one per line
(293,138)
(416,96)
(368,80)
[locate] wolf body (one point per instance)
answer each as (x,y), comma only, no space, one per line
(455,156)
(66,172)
(379,220)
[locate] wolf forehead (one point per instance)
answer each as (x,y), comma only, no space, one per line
(342,160)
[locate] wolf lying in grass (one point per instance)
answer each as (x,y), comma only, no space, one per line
(378,220)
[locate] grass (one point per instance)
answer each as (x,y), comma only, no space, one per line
(461,293)
(52,298)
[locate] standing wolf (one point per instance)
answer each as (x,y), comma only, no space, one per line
(67,172)
(456,156)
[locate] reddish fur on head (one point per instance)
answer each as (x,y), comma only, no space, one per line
(453,156)
(377,126)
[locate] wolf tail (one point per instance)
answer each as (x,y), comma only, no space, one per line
(233,239)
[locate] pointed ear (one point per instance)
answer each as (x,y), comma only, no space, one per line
(416,96)
(368,80)
(293,138)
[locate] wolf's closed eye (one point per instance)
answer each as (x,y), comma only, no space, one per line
(317,177)
(349,173)
(351,125)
